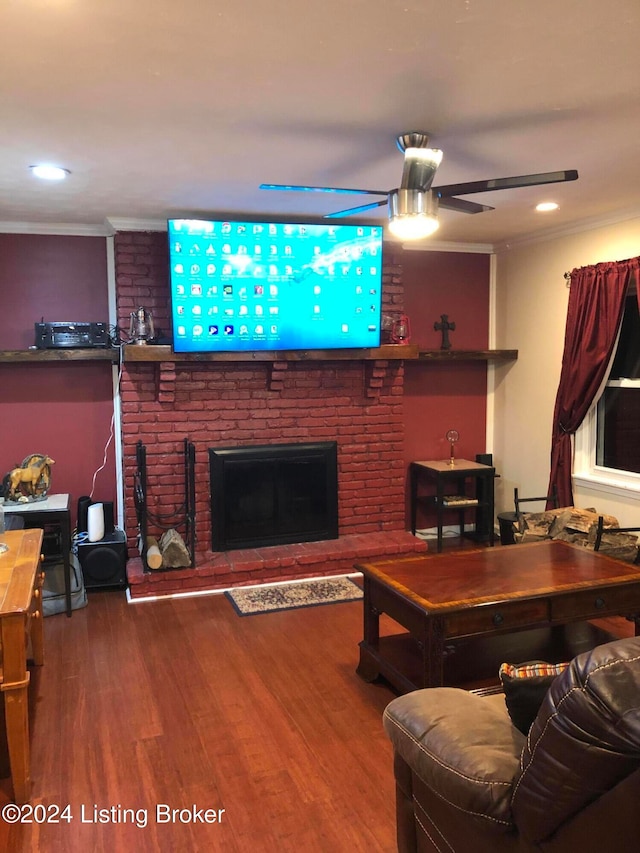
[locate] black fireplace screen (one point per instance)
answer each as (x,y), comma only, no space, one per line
(274,494)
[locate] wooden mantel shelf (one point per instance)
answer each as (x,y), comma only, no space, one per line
(468,355)
(60,355)
(387,352)
(375,360)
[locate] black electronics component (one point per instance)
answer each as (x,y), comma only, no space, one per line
(104,563)
(72,335)
(484,519)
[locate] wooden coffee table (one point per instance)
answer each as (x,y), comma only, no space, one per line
(464,612)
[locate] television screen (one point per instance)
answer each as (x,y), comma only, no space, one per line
(246,286)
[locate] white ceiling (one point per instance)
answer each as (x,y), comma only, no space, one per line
(183,107)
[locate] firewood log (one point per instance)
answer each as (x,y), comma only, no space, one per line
(582,519)
(154,555)
(174,552)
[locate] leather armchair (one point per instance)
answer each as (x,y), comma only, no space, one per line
(467,781)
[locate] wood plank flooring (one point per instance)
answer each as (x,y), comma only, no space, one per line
(185,704)
(182,703)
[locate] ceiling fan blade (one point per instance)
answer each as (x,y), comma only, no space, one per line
(361,209)
(506,183)
(462,205)
(345,190)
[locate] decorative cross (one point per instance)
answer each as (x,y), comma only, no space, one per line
(445,327)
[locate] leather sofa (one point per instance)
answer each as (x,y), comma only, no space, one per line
(468,781)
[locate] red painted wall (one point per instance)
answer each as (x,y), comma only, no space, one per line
(453,283)
(62,410)
(445,395)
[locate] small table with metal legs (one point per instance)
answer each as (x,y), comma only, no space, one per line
(53,511)
(449,478)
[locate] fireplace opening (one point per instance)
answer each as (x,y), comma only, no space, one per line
(275,494)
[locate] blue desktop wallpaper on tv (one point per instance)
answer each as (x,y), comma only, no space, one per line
(243,286)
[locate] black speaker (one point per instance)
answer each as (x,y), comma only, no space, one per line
(484,516)
(109,526)
(83,507)
(83,510)
(104,563)
(485,458)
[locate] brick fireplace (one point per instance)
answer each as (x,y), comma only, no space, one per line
(355,403)
(273,494)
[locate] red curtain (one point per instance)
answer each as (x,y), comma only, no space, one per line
(596,305)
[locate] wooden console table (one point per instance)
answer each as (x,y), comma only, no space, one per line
(20,613)
(449,478)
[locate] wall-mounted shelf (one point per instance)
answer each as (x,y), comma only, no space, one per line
(468,355)
(59,355)
(388,352)
(131,352)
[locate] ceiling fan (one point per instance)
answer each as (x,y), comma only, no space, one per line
(413,206)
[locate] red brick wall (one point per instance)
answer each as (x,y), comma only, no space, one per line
(142,266)
(357,404)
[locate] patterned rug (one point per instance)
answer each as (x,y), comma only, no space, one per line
(288,596)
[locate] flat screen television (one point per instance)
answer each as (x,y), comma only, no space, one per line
(242,286)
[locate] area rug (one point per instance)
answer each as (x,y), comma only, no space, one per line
(288,596)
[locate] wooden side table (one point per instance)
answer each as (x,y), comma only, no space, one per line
(55,510)
(449,478)
(20,612)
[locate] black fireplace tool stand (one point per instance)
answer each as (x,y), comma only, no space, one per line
(183,519)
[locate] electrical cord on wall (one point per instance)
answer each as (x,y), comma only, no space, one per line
(112,424)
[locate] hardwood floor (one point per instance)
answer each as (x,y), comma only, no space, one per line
(182,703)
(186,704)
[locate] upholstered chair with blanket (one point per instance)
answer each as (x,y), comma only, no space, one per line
(469,781)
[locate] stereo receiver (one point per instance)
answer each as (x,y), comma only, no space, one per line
(71,335)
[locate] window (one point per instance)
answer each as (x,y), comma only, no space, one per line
(618,410)
(607,445)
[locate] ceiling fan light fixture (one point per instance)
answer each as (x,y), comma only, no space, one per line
(413,214)
(413,227)
(420,166)
(432,156)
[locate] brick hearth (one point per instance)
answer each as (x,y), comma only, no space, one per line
(267,565)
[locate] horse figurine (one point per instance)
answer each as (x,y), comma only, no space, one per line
(34,473)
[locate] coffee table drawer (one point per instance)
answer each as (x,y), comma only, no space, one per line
(595,602)
(486,619)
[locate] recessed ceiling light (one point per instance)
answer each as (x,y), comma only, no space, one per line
(48,172)
(546,206)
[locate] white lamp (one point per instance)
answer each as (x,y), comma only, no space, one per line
(413,214)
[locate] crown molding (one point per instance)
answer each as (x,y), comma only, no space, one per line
(468,248)
(113,224)
(119,224)
(67,229)
(116,223)
(577,227)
